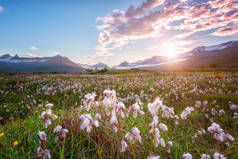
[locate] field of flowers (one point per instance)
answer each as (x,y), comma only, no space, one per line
(166,115)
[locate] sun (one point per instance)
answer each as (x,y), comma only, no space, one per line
(171,51)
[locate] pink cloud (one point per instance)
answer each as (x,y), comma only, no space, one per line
(227,31)
(34,48)
(146,21)
(32,55)
(145,6)
(1,8)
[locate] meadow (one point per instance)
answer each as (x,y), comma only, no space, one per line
(133,114)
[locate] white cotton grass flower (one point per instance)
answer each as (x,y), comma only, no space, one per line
(162,143)
(187,156)
(235,115)
(133,135)
(64,132)
(58,129)
(119,108)
(49,105)
(221,112)
(186,112)
(89,101)
(213,111)
(88,122)
(217,155)
(42,136)
(198,104)
(153,124)
(158,140)
(233,106)
(167,112)
(176,118)
(199,133)
(45,154)
(169,145)
(110,98)
(153,157)
(48,116)
(154,107)
(113,120)
(205,156)
(123,146)
(218,133)
(205,102)
(135,109)
(61,132)
(157,137)
(98,116)
(163,127)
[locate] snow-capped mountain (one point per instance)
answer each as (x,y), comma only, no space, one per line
(203,55)
(149,62)
(225,54)
(141,63)
(98,66)
(206,49)
(9,64)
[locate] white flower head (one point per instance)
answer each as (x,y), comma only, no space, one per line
(205,156)
(133,135)
(217,155)
(58,129)
(153,157)
(89,101)
(88,122)
(154,107)
(110,98)
(49,105)
(123,146)
(187,156)
(218,133)
(48,116)
(186,112)
(135,109)
(163,127)
(45,154)
(119,108)
(42,136)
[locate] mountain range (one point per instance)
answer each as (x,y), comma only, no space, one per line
(16,64)
(224,55)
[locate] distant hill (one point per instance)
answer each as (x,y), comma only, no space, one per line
(224,55)
(98,66)
(16,64)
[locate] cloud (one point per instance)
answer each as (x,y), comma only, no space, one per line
(153,48)
(56,53)
(145,6)
(149,20)
(227,31)
(1,8)
(32,55)
(92,59)
(34,48)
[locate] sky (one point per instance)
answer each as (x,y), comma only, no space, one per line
(113,31)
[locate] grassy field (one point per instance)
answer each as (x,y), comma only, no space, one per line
(138,114)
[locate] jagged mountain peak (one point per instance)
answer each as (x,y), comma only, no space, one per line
(124,63)
(99,65)
(5,56)
(56,63)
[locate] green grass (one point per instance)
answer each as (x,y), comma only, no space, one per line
(22,95)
